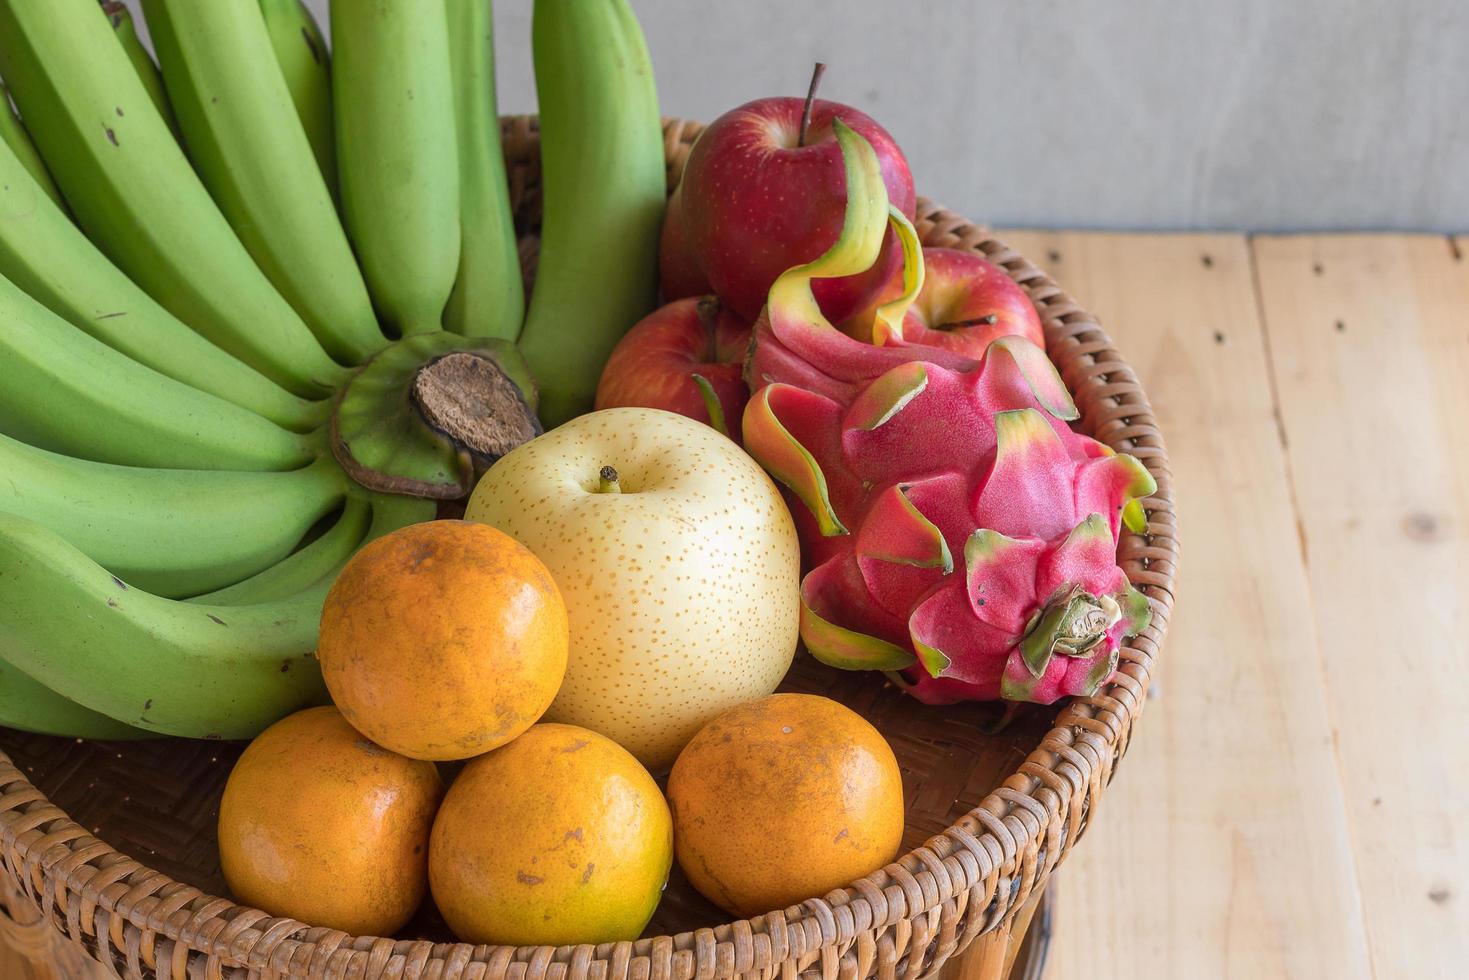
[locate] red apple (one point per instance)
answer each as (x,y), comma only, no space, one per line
(686,357)
(759,199)
(966,302)
(679,274)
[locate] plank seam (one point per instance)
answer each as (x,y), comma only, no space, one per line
(1273,381)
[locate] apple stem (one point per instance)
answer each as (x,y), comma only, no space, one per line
(607,481)
(988,320)
(708,313)
(816,74)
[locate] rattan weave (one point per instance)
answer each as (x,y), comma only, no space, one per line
(990,816)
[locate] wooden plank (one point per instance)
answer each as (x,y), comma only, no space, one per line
(1221,849)
(1369,337)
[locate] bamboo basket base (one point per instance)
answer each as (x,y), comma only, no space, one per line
(157,801)
(31,949)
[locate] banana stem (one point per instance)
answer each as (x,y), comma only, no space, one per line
(607,481)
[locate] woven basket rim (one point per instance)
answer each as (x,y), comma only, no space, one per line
(986,864)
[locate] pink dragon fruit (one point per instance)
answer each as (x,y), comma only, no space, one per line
(956,529)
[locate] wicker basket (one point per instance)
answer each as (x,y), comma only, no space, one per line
(989,816)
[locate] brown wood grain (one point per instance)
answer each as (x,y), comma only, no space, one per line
(1221,848)
(1369,337)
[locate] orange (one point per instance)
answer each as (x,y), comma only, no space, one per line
(783,799)
(443,640)
(319,824)
(559,837)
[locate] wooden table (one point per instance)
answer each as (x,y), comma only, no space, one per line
(1295,802)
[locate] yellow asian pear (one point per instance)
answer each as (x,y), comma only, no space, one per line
(678,562)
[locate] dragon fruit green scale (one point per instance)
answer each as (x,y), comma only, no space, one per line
(959,534)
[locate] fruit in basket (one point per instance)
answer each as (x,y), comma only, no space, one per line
(230,98)
(14,137)
(678,562)
(679,275)
(761,194)
(69,393)
(687,357)
(173,532)
(604,185)
(222,667)
(169,381)
(43,253)
(319,824)
(397,161)
(825,786)
(489,296)
(134,193)
(30,706)
(443,640)
(302,54)
(127,37)
(955,526)
(966,302)
(559,837)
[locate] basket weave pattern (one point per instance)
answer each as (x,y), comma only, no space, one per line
(967,874)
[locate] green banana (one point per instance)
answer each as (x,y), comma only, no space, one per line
(603,183)
(302,54)
(43,253)
(249,148)
(190,669)
(488,298)
(394,104)
(65,391)
(135,194)
(127,35)
(390,512)
(172,532)
(28,705)
(14,137)
(31,706)
(313,562)
(324,557)
(171,667)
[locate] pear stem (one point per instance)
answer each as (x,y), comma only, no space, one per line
(607,481)
(816,74)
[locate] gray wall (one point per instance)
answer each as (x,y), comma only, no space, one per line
(1258,114)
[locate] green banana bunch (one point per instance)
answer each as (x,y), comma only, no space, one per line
(47,256)
(394,101)
(171,667)
(196,397)
(249,148)
(135,194)
(165,666)
(127,36)
(489,296)
(70,393)
(301,52)
(15,139)
(173,532)
(603,183)
(31,706)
